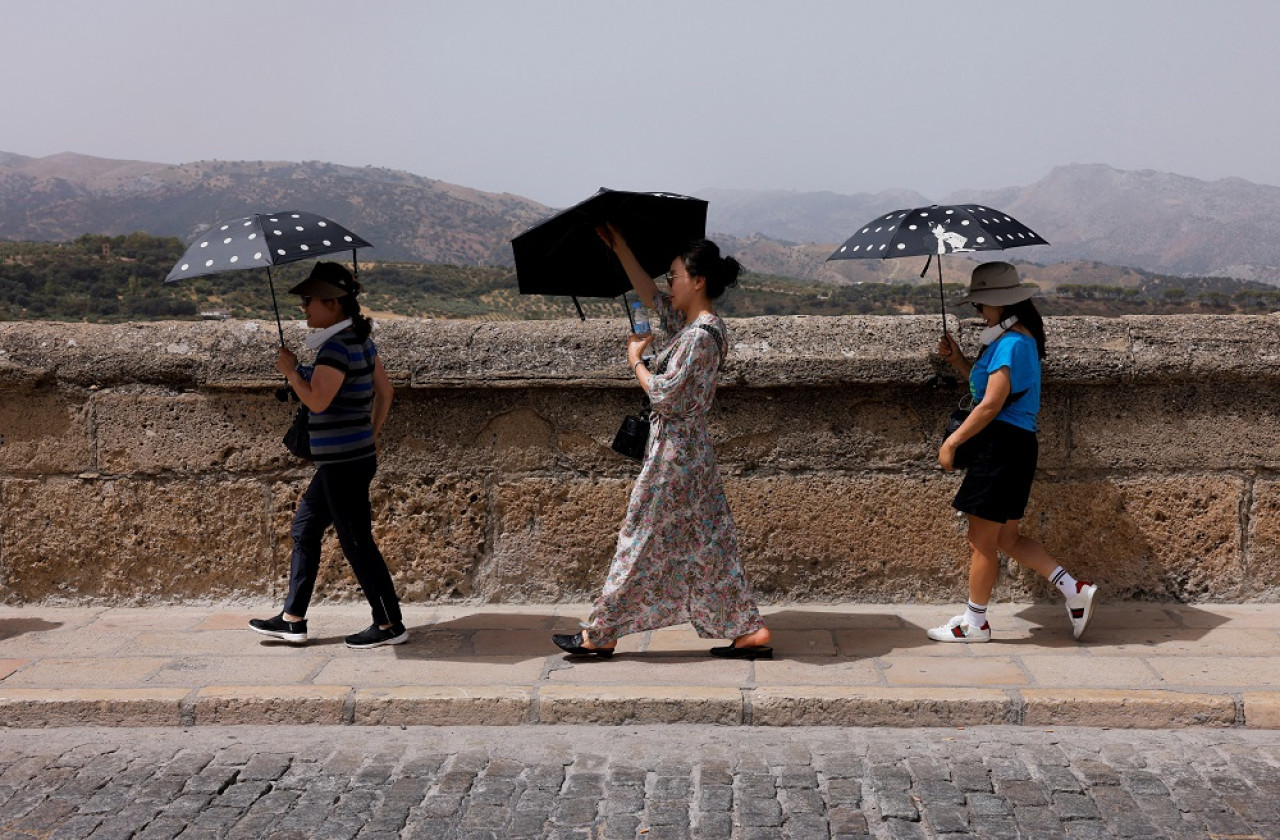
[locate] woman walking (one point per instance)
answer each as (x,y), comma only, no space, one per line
(999,437)
(348,394)
(677,555)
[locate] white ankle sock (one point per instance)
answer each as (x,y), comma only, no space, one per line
(1064,581)
(975,615)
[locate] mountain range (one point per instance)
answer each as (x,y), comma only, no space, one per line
(1154,221)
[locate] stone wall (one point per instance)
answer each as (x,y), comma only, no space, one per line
(142,463)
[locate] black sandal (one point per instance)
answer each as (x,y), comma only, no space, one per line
(744,652)
(573,644)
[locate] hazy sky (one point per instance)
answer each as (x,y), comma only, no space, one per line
(553,99)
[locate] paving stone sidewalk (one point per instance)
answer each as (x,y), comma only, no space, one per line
(1140,665)
(639,783)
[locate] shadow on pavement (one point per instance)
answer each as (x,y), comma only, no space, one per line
(11,628)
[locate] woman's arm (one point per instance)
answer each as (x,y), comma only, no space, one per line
(320,391)
(998,387)
(383,393)
(640,279)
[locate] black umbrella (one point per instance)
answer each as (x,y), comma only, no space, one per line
(261,241)
(934,231)
(563,255)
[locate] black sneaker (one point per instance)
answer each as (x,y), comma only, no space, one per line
(277,628)
(375,636)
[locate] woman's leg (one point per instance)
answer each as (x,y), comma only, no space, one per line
(984,560)
(1026,551)
(348,496)
(309,523)
(1033,555)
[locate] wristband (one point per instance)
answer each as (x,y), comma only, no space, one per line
(636,365)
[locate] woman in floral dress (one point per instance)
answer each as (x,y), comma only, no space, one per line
(677,557)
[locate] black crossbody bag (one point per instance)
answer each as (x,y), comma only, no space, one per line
(632,438)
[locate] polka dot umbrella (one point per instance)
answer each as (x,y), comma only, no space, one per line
(261,241)
(934,231)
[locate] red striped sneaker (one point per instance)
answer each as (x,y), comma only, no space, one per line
(1080,607)
(956,630)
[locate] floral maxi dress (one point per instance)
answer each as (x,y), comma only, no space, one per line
(677,556)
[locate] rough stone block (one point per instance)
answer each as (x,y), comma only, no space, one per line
(417,705)
(553,540)
(1262,559)
(211,431)
(281,704)
(126,539)
(1262,709)
(856,538)
(1125,708)
(37,707)
(44,432)
(878,706)
(636,705)
(1174,426)
(1155,537)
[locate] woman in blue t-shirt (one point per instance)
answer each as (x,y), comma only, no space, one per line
(1000,450)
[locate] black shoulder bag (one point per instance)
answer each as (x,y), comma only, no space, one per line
(632,438)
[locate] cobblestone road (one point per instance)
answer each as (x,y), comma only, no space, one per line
(285,782)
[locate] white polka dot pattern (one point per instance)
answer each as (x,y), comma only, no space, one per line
(237,244)
(939,229)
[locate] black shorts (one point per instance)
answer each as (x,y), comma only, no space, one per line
(997,484)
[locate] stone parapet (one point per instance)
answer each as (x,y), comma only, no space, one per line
(141,463)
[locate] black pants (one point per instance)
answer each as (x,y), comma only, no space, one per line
(339,496)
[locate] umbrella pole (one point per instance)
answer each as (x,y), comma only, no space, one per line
(942,300)
(626,305)
(578,306)
(355,266)
(275,305)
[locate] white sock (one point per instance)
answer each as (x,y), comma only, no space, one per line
(1064,581)
(975,615)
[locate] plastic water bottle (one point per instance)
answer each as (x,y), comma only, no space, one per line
(639,320)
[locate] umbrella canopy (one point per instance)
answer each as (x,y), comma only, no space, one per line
(263,240)
(563,255)
(936,230)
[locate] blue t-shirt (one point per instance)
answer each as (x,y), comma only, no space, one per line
(1018,353)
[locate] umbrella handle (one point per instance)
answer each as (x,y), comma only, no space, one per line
(275,306)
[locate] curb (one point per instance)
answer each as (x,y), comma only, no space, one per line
(633,705)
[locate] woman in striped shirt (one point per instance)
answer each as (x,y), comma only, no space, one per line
(348,394)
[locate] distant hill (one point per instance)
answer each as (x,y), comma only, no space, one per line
(407,217)
(1154,221)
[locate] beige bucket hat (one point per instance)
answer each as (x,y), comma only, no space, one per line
(997,284)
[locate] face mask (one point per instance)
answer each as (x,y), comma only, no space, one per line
(990,334)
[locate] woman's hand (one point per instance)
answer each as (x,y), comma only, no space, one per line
(611,236)
(947,455)
(636,345)
(949,349)
(286,361)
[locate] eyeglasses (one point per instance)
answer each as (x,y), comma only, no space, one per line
(306,301)
(977,306)
(671,276)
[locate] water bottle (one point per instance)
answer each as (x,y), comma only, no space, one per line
(639,320)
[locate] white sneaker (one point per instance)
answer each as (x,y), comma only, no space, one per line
(956,630)
(1080,607)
